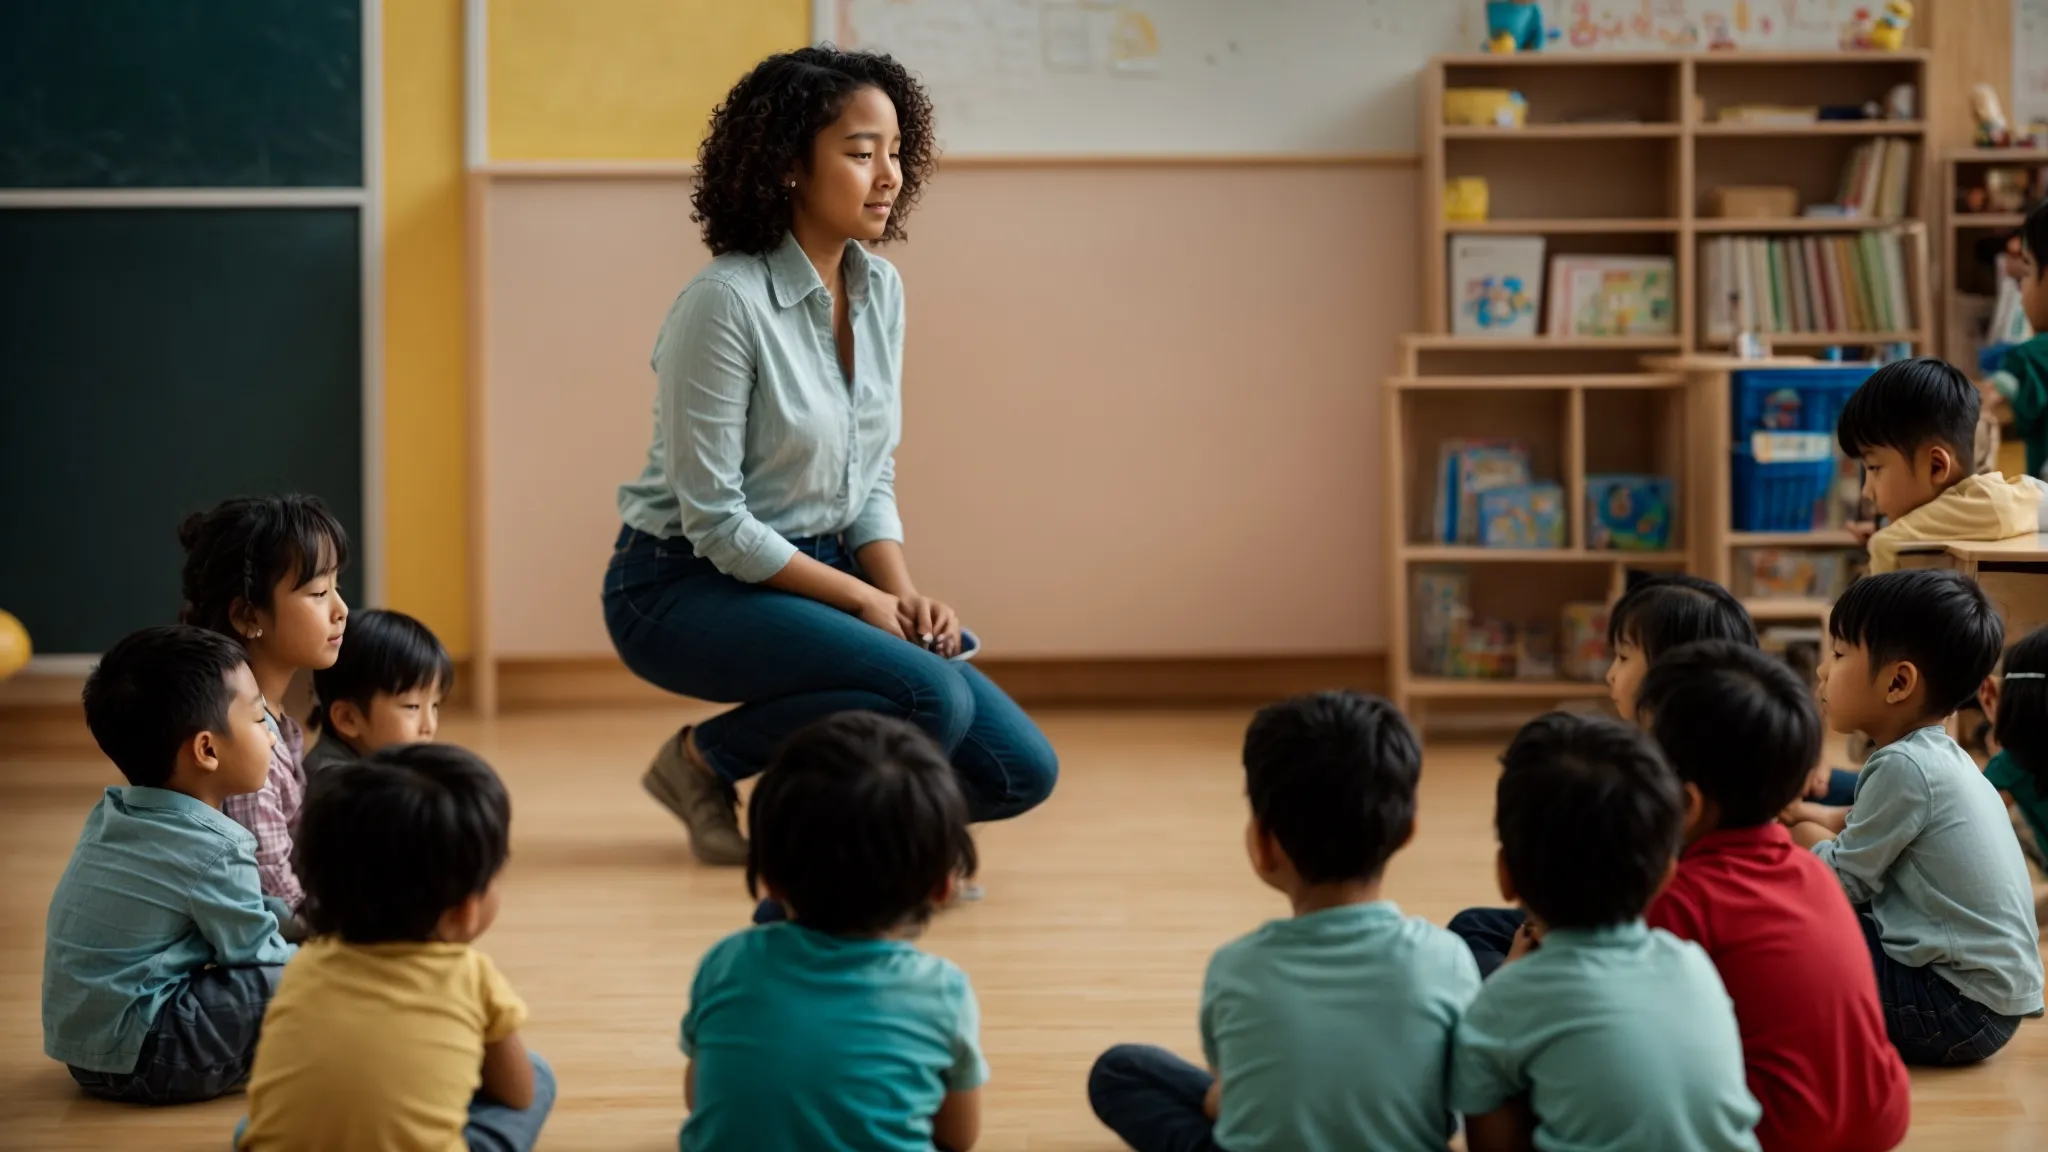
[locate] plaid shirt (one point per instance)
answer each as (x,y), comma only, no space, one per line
(273,813)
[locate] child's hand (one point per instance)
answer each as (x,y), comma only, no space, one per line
(1212,1100)
(1806,834)
(1861,531)
(1817,782)
(1528,938)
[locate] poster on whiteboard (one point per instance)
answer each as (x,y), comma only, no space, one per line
(2029,63)
(1702,25)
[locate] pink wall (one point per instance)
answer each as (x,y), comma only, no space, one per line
(1141,402)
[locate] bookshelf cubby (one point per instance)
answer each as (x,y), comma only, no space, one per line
(1968,286)
(1619,156)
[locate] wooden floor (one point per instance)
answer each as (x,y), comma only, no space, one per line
(1102,909)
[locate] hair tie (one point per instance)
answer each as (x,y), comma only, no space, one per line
(2026,676)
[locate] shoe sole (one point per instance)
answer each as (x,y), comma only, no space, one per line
(668,798)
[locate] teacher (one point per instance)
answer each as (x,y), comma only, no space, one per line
(761,562)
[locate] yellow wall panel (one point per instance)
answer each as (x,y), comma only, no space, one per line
(623,79)
(426,561)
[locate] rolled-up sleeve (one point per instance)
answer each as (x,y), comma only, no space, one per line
(705,369)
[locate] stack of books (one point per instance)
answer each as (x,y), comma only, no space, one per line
(1850,283)
(1878,179)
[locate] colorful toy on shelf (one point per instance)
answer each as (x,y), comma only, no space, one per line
(1583,650)
(1629,513)
(1465,199)
(1440,606)
(1523,516)
(15,648)
(1887,31)
(1536,652)
(1993,130)
(1513,26)
(1485,108)
(1483,649)
(1467,468)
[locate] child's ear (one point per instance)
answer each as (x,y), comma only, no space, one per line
(1695,809)
(1900,682)
(1264,851)
(348,721)
(204,748)
(461,923)
(1987,698)
(247,622)
(1941,464)
(1408,837)
(1506,880)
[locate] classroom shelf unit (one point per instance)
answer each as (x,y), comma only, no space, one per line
(1968,285)
(1620,155)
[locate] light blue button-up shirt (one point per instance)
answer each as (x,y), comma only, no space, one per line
(759,437)
(159,886)
(1930,848)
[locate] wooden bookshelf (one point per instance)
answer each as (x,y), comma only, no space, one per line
(1968,290)
(1617,158)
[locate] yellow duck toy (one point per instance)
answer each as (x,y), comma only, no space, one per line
(1888,32)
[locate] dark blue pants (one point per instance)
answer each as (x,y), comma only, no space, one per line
(682,625)
(1489,932)
(1152,1099)
(200,1045)
(1929,1022)
(1841,788)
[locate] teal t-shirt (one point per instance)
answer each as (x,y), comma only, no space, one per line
(1333,1031)
(2008,777)
(804,1040)
(1624,1039)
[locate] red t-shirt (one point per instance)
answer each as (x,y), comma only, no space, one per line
(1793,958)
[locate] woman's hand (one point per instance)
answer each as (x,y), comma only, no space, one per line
(929,623)
(882,611)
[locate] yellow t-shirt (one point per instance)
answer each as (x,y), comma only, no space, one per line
(376,1046)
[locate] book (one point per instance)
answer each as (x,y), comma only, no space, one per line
(1816,286)
(1467,468)
(1496,285)
(1523,516)
(1612,296)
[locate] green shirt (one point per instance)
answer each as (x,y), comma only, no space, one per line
(804,1040)
(1333,1031)
(2022,378)
(759,437)
(2024,787)
(1929,847)
(1624,1039)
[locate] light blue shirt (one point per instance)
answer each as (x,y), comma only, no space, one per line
(1930,848)
(759,437)
(1624,1039)
(1333,1031)
(803,1040)
(159,886)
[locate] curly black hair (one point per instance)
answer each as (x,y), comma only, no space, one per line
(767,126)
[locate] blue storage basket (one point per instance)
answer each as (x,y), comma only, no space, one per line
(1792,399)
(1779,497)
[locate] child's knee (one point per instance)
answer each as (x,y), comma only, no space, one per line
(1113,1069)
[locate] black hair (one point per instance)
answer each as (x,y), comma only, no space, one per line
(243,547)
(1937,619)
(856,823)
(1332,777)
(1910,404)
(389,843)
(385,653)
(767,127)
(156,689)
(1737,723)
(1589,817)
(2022,724)
(2034,234)
(1659,613)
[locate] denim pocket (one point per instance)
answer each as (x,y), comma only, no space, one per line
(1985,1042)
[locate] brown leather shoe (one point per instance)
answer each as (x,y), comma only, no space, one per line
(704,801)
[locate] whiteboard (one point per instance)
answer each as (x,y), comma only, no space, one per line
(2029,64)
(1163,77)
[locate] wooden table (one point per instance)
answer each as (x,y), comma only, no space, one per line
(2014,573)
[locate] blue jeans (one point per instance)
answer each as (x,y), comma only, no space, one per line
(1152,1099)
(1929,1022)
(1489,932)
(681,624)
(495,1127)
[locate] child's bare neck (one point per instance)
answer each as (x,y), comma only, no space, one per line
(1897,728)
(1341,894)
(273,680)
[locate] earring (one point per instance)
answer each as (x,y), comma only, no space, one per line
(256,635)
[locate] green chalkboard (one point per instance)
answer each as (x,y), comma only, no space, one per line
(181,93)
(152,363)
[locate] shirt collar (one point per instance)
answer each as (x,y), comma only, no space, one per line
(133,796)
(1607,936)
(794,278)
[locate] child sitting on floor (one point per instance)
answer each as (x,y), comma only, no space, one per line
(161,952)
(1927,846)
(390,1030)
(1741,731)
(831,1029)
(1599,1032)
(2015,700)
(1914,427)
(385,688)
(1330,1029)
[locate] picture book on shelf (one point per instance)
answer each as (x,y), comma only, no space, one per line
(1629,513)
(1496,285)
(1852,283)
(1523,516)
(1611,296)
(1467,468)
